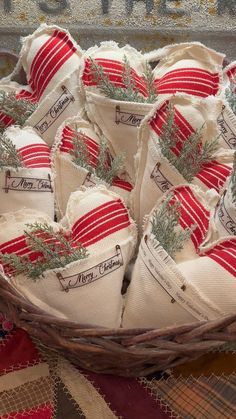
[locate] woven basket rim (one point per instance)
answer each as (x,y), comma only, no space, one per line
(126,352)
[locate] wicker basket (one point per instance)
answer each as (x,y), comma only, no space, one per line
(125,352)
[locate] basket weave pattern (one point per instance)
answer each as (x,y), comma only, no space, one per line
(125,352)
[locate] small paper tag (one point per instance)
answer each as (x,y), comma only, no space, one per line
(93,274)
(160,266)
(227,125)
(55,111)
(27,184)
(88,182)
(160,180)
(225,219)
(128,118)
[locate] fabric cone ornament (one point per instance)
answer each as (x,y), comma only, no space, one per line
(26,177)
(172,285)
(51,60)
(81,159)
(118,95)
(86,290)
(178,142)
(190,68)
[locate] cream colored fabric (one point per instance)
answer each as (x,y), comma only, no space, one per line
(155,174)
(30,186)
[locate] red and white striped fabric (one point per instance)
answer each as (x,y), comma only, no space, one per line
(69,176)
(87,291)
(190,68)
(155,174)
(32,185)
(164,291)
(48,56)
(118,120)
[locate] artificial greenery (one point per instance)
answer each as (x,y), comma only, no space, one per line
(9,156)
(164,222)
(18,109)
(129,92)
(193,155)
(233,180)
(54,250)
(230,95)
(103,170)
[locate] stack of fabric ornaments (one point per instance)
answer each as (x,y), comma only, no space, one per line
(118,166)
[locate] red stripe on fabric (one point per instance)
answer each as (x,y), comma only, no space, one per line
(43,411)
(61,59)
(120,183)
(37,58)
(115,389)
(34,148)
(189,88)
(214,175)
(112,227)
(192,212)
(17,352)
(225,255)
(43,58)
(100,222)
(99,211)
(35,155)
(194,71)
(192,81)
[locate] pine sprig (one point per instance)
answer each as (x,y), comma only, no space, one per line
(79,152)
(106,169)
(230,95)
(193,155)
(233,180)
(18,109)
(164,222)
(9,155)
(150,85)
(129,92)
(54,250)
